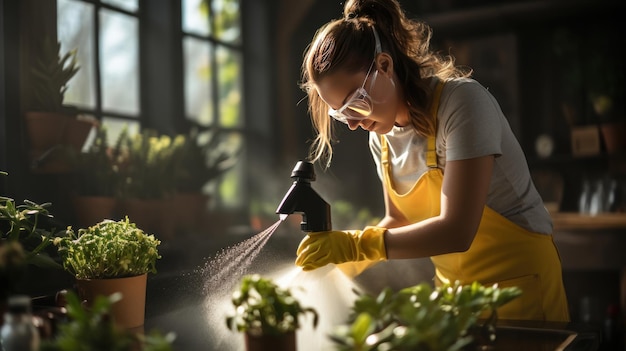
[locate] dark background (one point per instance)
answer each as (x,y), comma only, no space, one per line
(514,48)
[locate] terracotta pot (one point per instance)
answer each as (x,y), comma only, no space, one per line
(166,221)
(153,216)
(90,210)
(285,342)
(614,136)
(145,213)
(45,130)
(45,136)
(77,131)
(50,134)
(188,210)
(129,312)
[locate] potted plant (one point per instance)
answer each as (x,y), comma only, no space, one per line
(52,126)
(147,180)
(268,314)
(95,181)
(591,90)
(424,318)
(108,257)
(604,78)
(92,329)
(24,238)
(199,158)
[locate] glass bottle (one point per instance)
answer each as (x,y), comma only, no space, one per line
(18,332)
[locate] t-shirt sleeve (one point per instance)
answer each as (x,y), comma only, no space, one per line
(469,121)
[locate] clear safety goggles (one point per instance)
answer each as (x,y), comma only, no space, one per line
(359,106)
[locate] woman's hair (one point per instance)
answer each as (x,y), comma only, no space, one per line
(348,44)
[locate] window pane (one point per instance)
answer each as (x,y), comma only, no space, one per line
(226,17)
(119,60)
(198,102)
(128,5)
(230,188)
(229,87)
(195,17)
(75,31)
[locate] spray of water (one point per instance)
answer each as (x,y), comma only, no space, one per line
(225,270)
(326,289)
(329,292)
(221,276)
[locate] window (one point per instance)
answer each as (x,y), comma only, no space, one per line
(109,36)
(106,36)
(212,58)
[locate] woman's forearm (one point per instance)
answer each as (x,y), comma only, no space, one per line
(430,237)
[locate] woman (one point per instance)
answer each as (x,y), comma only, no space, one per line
(456,184)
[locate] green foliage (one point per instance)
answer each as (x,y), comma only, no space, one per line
(152,166)
(225,16)
(147,172)
(109,249)
(22,224)
(23,240)
(50,75)
(263,308)
(591,75)
(420,318)
(200,158)
(93,330)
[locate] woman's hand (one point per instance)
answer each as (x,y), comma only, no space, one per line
(321,248)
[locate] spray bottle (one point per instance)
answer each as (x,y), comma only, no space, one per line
(302,198)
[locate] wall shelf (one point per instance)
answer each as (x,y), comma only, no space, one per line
(579,221)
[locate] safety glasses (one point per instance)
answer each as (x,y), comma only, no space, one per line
(359,105)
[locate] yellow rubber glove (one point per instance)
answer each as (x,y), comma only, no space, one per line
(321,248)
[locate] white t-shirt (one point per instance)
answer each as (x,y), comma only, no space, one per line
(470,124)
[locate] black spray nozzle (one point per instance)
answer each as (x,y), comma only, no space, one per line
(301,198)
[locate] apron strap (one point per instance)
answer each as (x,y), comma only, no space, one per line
(431,152)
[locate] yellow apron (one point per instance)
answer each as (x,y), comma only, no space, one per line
(502,252)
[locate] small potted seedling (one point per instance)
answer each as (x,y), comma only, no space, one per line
(108,257)
(267,314)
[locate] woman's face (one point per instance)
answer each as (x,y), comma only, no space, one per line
(338,91)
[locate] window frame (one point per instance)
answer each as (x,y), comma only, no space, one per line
(161,82)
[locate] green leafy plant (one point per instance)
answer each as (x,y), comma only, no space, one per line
(422,318)
(201,157)
(108,249)
(263,308)
(147,165)
(21,224)
(50,75)
(94,330)
(591,85)
(25,235)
